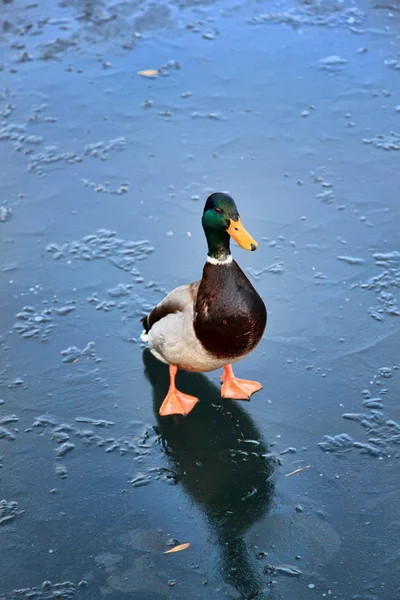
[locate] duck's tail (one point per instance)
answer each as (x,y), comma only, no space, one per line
(144,335)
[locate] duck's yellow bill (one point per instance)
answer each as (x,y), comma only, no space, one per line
(241,236)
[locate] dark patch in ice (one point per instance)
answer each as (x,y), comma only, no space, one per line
(23,57)
(73,354)
(52,50)
(90,22)
(153,17)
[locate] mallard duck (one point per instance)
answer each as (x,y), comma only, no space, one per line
(214,322)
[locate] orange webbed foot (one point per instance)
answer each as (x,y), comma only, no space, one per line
(235,388)
(176,402)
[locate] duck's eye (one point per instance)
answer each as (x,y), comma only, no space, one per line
(217,210)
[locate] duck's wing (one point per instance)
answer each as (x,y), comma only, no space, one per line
(175,301)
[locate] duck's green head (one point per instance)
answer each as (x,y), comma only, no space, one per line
(221,221)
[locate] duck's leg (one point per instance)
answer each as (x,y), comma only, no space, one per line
(175,402)
(237,389)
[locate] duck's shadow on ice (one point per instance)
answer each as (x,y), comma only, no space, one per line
(220,458)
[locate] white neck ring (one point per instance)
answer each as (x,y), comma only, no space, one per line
(220,261)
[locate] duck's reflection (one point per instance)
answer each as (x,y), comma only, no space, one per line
(219,457)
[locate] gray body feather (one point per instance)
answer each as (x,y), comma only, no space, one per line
(171,336)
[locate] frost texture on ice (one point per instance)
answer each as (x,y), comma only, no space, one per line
(351,260)
(314,13)
(276,269)
(46,591)
(70,437)
(39,323)
(126,300)
(8,511)
(105,188)
(5,432)
(381,432)
(335,443)
(384,284)
(387,142)
(326,194)
(5,214)
(73,354)
(288,570)
(332,63)
(104,244)
(392,63)
(52,154)
(120,253)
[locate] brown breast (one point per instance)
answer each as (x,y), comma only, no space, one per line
(230,316)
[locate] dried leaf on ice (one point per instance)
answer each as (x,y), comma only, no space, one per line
(178,548)
(148,73)
(297,470)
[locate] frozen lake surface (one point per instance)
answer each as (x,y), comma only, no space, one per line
(294,109)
